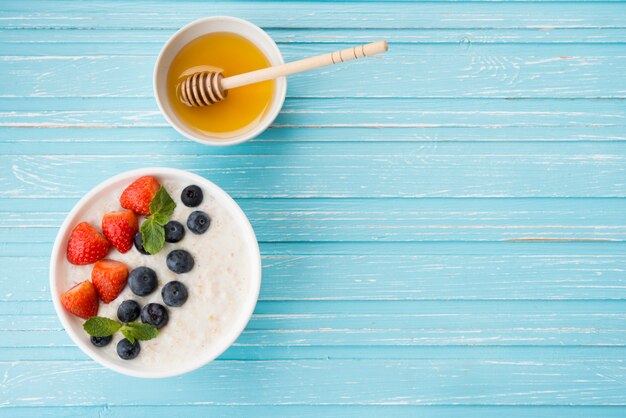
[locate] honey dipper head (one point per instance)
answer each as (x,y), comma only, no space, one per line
(202,89)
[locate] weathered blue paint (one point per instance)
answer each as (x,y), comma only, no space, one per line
(442,228)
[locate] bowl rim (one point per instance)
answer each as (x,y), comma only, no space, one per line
(279,95)
(250,303)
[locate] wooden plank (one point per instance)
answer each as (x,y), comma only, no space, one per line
(375,113)
(376,323)
(488,271)
(351,170)
(126,14)
(346,382)
(69,352)
(590,248)
(35,41)
(372,338)
(407,71)
(401,277)
(83,125)
(314,411)
(394,220)
(91,140)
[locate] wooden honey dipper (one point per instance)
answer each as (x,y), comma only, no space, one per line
(207,87)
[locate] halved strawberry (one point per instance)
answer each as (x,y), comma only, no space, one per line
(109,277)
(86,245)
(81,300)
(120,229)
(138,195)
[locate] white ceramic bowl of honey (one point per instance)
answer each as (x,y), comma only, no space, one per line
(232,46)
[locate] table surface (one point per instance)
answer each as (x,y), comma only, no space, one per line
(442,228)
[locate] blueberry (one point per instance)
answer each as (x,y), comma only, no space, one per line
(155,314)
(101,341)
(179,261)
(139,244)
(174,294)
(128,311)
(128,351)
(191,196)
(142,281)
(198,222)
(174,231)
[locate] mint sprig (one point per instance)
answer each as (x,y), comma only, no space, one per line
(162,203)
(139,331)
(99,326)
(152,235)
(152,229)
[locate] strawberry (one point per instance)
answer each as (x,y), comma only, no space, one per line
(109,278)
(81,300)
(120,229)
(86,245)
(138,195)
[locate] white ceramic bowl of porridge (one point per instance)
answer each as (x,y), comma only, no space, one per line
(223,285)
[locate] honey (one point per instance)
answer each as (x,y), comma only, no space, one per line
(231,54)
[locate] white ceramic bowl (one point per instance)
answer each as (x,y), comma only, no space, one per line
(58,285)
(202,27)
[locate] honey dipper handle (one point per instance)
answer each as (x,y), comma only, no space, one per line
(323,60)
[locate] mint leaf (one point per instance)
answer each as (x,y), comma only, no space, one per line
(99,326)
(160,218)
(152,231)
(152,235)
(162,204)
(139,331)
(128,334)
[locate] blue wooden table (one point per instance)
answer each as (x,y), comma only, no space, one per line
(442,228)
